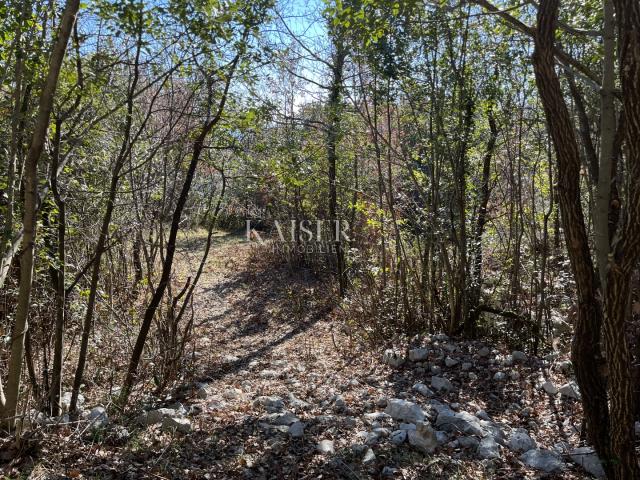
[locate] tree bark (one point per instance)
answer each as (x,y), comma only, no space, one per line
(586,354)
(626,251)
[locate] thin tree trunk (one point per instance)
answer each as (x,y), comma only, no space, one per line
(125,148)
(10,403)
(58,342)
(476,247)
(334,106)
(167,262)
(607,137)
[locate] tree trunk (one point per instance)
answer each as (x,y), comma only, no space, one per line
(58,342)
(125,149)
(333,130)
(9,404)
(167,262)
(481,220)
(626,251)
(586,342)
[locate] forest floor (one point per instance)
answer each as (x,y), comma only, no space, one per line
(277,390)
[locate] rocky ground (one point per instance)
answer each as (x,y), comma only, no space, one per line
(276,390)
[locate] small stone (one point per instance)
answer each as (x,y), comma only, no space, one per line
(518,356)
(325,447)
(483,415)
(435,370)
(422,389)
(271,403)
(404,410)
(98,417)
(550,388)
(440,337)
(296,429)
(269,374)
(398,437)
(473,377)
(484,352)
(542,459)
(468,442)
(514,375)
(389,471)
(588,459)
(369,457)
(423,437)
(392,358)
(418,354)
(488,448)
(182,425)
(442,384)
(466,366)
(500,376)
(569,390)
(407,426)
(520,441)
(450,362)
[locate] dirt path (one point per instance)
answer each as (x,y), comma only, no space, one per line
(272,381)
(267,348)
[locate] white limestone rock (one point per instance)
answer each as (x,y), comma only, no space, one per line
(488,448)
(325,447)
(589,460)
(518,356)
(520,441)
(418,354)
(179,424)
(423,437)
(422,389)
(404,410)
(550,388)
(441,384)
(542,459)
(392,358)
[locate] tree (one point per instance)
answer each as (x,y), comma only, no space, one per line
(610,429)
(9,401)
